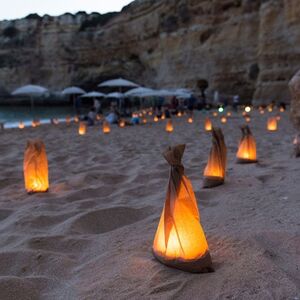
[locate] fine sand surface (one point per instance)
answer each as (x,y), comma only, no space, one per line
(90,236)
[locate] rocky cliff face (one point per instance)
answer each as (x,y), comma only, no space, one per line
(294,86)
(250,47)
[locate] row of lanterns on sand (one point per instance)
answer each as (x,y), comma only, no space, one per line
(272,121)
(82,128)
(180,240)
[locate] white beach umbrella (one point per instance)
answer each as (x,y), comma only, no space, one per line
(115,95)
(119,82)
(73,90)
(30,90)
(158,93)
(138,92)
(93,95)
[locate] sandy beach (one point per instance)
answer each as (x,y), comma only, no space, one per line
(90,236)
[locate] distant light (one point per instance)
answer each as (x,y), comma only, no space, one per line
(221,109)
(247,109)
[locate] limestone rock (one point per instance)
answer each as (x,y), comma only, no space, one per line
(246,47)
(294,85)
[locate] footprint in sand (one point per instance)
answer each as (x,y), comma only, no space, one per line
(105,220)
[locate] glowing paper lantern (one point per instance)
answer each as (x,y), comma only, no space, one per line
(281,109)
(272,124)
(169,126)
(208,124)
(122,123)
(150,113)
(35,123)
(215,114)
(247,147)
(223,120)
(229,114)
(106,127)
(82,128)
(261,111)
(270,108)
(21,125)
(155,119)
(68,120)
(180,241)
(190,120)
(163,116)
(278,118)
(35,167)
(98,117)
(144,121)
(214,173)
(179,114)
(247,118)
(76,119)
(247,109)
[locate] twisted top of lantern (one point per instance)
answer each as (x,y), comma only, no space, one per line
(173,155)
(217,135)
(37,145)
(246,130)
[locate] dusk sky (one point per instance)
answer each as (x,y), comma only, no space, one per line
(13,9)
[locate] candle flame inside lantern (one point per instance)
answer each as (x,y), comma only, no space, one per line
(35,167)
(247,147)
(190,120)
(169,126)
(223,120)
(208,124)
(216,164)
(155,119)
(122,123)
(82,128)
(21,125)
(248,119)
(106,127)
(272,124)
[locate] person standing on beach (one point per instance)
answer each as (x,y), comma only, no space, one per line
(97,106)
(235,102)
